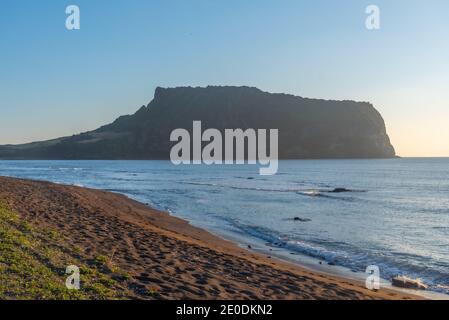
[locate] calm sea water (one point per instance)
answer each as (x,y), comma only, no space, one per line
(396,215)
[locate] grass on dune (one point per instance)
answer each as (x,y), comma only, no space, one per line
(33,262)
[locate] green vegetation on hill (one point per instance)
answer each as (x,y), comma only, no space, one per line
(33,262)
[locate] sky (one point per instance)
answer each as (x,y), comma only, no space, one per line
(56,82)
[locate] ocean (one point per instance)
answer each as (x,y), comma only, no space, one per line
(348,214)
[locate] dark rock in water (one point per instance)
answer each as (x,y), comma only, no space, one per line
(308,128)
(320,262)
(339,190)
(249,247)
(408,283)
(301,219)
(278,244)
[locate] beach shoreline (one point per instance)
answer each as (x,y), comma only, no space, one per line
(167,255)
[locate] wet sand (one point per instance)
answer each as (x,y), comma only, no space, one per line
(166,255)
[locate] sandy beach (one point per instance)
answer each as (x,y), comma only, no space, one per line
(142,253)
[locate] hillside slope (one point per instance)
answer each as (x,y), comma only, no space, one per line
(308,128)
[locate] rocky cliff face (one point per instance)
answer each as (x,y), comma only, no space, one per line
(308,128)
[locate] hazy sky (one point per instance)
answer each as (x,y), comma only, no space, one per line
(55,82)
